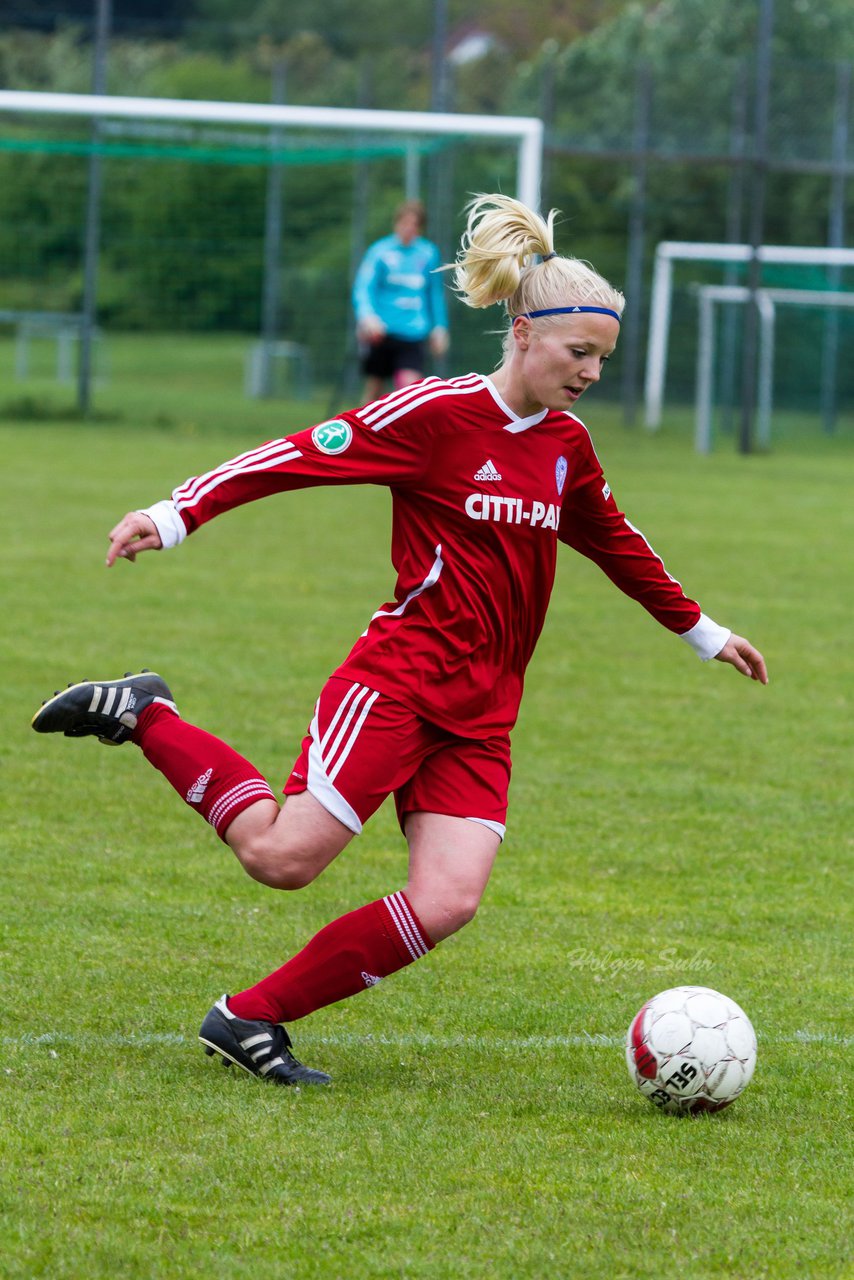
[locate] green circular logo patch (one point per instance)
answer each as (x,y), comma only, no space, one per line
(333,437)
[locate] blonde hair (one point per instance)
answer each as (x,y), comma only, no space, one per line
(497,263)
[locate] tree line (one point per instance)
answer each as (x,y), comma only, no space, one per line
(183,238)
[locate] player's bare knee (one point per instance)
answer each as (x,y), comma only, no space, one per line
(277,874)
(464,910)
(294,875)
(441,919)
(268,861)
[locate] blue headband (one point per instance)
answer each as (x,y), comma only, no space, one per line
(568,311)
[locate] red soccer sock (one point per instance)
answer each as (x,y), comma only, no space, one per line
(350,954)
(207,773)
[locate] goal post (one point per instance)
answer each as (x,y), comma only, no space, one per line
(670,251)
(216,216)
(767,301)
(527,131)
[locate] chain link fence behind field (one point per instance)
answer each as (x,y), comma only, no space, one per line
(214,234)
(203,232)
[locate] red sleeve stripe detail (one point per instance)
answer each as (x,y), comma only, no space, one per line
(424,396)
(405,395)
(395,397)
(634,529)
(261,459)
(260,451)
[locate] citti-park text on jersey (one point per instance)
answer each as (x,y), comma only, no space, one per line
(490,506)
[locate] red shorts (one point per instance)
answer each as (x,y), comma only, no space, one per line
(362,746)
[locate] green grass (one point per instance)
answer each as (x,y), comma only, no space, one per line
(670,822)
(190,384)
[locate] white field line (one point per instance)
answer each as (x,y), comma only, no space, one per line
(498,1044)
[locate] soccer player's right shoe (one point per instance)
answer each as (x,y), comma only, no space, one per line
(261,1048)
(106,709)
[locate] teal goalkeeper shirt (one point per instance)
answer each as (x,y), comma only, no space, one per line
(395,284)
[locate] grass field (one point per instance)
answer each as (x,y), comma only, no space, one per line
(670,823)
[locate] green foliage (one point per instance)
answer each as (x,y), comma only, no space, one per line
(205,75)
(667,32)
(182,237)
(669,822)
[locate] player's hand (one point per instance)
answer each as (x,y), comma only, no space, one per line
(438,341)
(371,329)
(742,655)
(135,533)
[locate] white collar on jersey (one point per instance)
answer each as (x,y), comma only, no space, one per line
(516,424)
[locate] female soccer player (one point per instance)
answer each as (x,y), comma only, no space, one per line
(488,473)
(399,303)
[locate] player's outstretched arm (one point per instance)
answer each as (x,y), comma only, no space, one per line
(742,655)
(136,532)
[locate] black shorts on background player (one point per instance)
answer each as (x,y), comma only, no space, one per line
(387,357)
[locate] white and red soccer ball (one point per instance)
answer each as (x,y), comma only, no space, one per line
(691,1049)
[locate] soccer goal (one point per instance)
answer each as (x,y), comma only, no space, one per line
(223,225)
(767,301)
(526,131)
(670,252)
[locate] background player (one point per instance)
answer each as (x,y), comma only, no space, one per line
(399,302)
(488,474)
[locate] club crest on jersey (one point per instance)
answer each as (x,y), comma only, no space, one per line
(333,437)
(560,473)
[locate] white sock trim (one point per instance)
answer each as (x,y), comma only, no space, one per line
(254,788)
(402,917)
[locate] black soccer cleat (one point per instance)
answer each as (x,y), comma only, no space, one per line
(106,709)
(261,1048)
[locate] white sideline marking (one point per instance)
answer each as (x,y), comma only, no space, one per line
(501,1044)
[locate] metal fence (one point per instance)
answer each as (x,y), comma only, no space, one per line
(185,241)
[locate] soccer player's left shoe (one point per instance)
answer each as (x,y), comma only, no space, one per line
(105,709)
(261,1048)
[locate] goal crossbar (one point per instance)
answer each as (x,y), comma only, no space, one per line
(766,301)
(527,131)
(669,251)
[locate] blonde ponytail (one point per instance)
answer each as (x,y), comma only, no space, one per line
(497,262)
(501,238)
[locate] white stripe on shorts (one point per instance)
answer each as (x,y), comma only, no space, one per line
(360,699)
(329,751)
(333,723)
(357,729)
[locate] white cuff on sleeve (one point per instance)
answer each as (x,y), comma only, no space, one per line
(168,523)
(706,638)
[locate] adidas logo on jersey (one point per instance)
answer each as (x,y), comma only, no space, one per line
(370,979)
(487,471)
(199,787)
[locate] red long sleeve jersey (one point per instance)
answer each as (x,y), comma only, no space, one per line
(481,499)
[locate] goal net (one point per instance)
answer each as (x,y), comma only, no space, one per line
(215,227)
(806,319)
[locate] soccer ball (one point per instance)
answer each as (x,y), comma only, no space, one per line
(691,1049)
